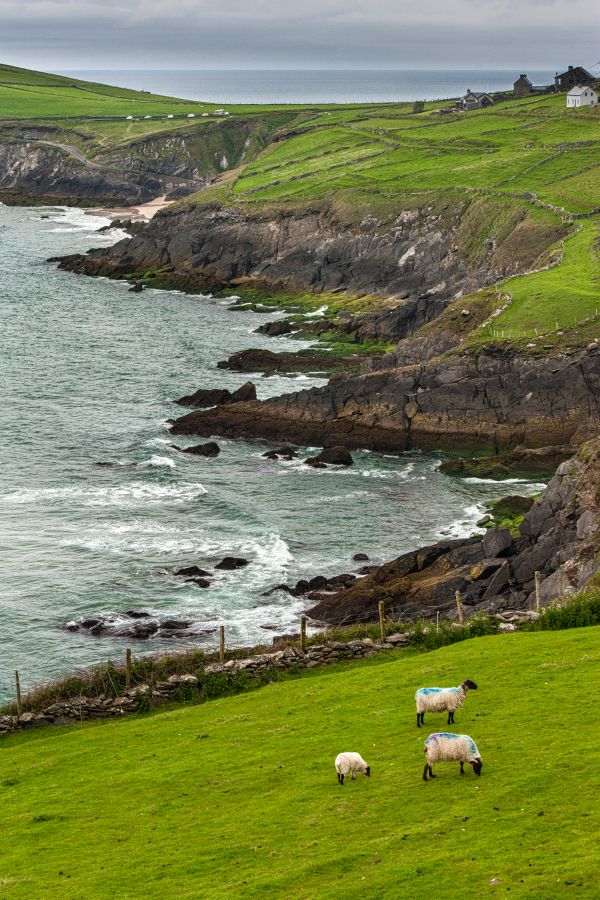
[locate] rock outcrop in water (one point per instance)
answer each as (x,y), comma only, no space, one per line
(494,401)
(559,537)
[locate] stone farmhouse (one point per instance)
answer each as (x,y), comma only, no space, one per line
(524,88)
(575,76)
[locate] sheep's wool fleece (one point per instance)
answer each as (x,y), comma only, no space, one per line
(448,747)
(349,762)
(436,699)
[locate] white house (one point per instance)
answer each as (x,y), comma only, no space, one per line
(581,95)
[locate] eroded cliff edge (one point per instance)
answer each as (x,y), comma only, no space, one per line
(489,402)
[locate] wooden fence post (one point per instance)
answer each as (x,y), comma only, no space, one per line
(382,620)
(303,633)
(127,668)
(538,586)
(222,643)
(18,691)
(460,608)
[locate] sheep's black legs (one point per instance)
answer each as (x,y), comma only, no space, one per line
(462,768)
(425,772)
(340,778)
(451,717)
(418,720)
(431,775)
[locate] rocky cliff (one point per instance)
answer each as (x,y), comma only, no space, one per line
(559,537)
(41,172)
(490,402)
(66,167)
(422,258)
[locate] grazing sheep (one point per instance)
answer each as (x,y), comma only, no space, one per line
(440,699)
(350,762)
(446,747)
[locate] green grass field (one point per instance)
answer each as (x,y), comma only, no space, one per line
(376,159)
(238,797)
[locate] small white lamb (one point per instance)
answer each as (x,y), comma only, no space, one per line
(350,763)
(436,699)
(446,747)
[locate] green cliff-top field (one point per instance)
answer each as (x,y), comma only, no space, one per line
(238,797)
(535,163)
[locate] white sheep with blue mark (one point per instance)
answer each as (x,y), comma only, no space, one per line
(446,747)
(435,699)
(350,763)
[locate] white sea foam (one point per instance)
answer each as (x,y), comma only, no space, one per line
(161,461)
(465,525)
(157,442)
(535,486)
(136,493)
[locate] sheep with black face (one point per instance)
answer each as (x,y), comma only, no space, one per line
(446,747)
(350,763)
(434,699)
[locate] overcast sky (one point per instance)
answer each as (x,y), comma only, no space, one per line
(64,34)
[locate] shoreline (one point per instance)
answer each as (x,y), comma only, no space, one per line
(142,212)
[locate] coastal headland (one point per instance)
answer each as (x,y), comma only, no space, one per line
(449,260)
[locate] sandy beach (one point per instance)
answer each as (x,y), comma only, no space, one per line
(142,213)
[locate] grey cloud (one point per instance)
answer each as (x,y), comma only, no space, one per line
(64,34)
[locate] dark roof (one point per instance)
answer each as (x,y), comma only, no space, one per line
(572,69)
(477,94)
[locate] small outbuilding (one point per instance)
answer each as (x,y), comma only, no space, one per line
(581,95)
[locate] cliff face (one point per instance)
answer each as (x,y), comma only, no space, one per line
(421,258)
(41,172)
(559,537)
(490,402)
(176,164)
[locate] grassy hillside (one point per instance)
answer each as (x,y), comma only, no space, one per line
(532,164)
(238,797)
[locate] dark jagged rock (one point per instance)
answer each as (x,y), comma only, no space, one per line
(277,328)
(254,360)
(315,463)
(138,626)
(136,288)
(244,393)
(333,456)
(232,562)
(205,397)
(209,449)
(199,582)
(559,537)
(360,557)
(191,571)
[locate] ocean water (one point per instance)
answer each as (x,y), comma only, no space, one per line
(311,85)
(88,374)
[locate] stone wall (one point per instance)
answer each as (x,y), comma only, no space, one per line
(140,697)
